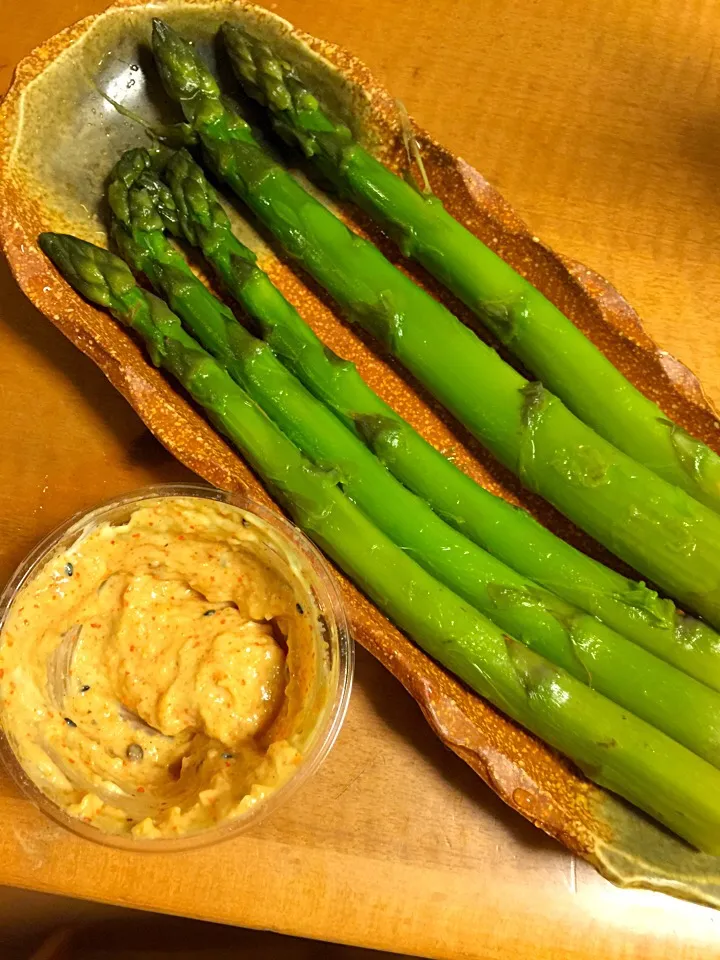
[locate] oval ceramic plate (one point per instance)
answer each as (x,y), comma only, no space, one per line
(58,139)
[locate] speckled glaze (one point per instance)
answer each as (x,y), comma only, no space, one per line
(55,150)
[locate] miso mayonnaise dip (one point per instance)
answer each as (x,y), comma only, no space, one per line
(161,675)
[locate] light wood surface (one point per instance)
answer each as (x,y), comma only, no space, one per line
(600,122)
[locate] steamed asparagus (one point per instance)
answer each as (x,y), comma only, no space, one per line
(510,534)
(615,748)
(657,528)
(545,340)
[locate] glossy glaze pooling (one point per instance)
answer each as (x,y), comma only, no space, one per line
(522,771)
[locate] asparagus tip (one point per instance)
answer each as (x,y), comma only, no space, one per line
(48,243)
(233,31)
(95,272)
(182,71)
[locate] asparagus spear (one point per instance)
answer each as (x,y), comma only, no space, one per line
(655,527)
(592,652)
(547,343)
(510,534)
(616,749)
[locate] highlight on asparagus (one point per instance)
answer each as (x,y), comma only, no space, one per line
(656,527)
(613,747)
(545,340)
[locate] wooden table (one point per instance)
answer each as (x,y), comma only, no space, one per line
(600,121)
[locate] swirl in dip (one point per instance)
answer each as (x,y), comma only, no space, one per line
(164,673)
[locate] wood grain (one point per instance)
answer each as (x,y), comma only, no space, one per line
(396,844)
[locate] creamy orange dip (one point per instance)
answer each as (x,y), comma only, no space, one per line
(154,676)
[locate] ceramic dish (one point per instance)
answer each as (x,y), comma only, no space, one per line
(49,182)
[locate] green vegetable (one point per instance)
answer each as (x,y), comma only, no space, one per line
(513,536)
(615,748)
(510,534)
(546,342)
(682,708)
(657,528)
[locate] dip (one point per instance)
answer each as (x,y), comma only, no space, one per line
(165,673)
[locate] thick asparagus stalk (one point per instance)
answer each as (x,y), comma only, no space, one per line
(546,341)
(510,534)
(615,748)
(592,652)
(655,527)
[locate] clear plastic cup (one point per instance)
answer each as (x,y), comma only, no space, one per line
(332,633)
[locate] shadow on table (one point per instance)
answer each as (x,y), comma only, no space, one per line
(45,927)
